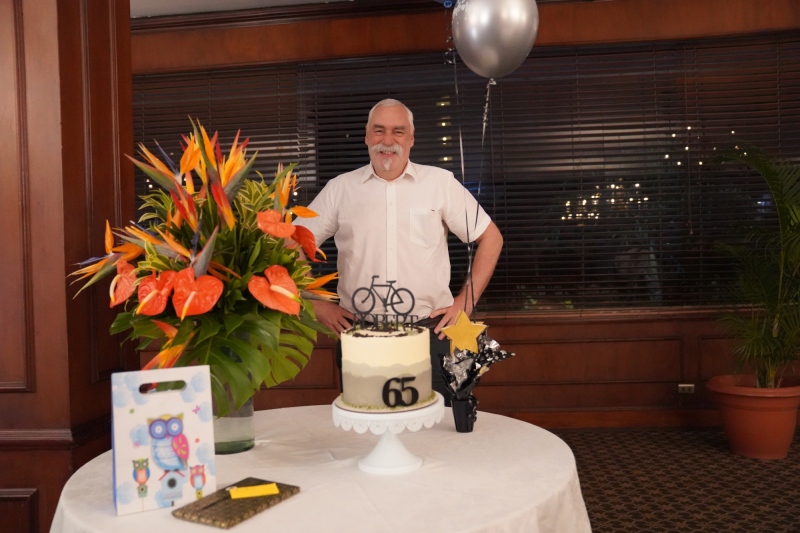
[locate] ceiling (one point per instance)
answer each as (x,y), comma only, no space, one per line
(157,8)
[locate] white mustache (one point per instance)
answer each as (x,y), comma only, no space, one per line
(386,149)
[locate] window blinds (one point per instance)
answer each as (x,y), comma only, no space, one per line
(597,163)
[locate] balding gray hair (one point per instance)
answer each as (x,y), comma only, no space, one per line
(392,102)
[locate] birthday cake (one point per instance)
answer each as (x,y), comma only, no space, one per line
(386,369)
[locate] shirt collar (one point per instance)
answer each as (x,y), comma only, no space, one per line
(409,172)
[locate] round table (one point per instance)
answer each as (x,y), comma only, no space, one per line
(504,476)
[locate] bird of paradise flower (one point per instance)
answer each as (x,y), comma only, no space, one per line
(227,257)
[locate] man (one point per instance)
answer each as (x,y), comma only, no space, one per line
(390,219)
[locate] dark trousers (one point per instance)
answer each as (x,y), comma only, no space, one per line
(436,347)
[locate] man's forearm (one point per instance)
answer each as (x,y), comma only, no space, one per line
(490,243)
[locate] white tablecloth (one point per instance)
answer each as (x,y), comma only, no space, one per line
(505,476)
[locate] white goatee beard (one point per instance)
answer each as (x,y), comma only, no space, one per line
(382,148)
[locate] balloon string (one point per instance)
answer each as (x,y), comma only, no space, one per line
(486,108)
(470,245)
(460,135)
(470,248)
(463,174)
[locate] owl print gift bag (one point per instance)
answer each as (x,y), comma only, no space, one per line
(163,438)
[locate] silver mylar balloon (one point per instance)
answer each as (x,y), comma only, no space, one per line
(493,37)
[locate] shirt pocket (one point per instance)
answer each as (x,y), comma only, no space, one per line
(426,226)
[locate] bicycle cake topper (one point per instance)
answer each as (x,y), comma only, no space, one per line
(397,391)
(401,301)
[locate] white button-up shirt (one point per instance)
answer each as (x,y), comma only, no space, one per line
(396,230)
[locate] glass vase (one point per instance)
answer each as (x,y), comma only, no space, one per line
(235,432)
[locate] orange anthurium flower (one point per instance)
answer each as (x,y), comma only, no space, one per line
(269,222)
(305,238)
(154,292)
(122,284)
(195,296)
(278,291)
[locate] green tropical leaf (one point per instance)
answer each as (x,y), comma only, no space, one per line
(220,396)
(208,328)
(231,374)
(255,361)
(202,352)
(122,322)
(301,343)
(264,331)
(255,254)
(232,322)
(287,364)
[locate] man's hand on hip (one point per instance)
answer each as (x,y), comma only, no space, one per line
(449,314)
(333,317)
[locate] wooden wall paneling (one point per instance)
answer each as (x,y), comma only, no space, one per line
(164,45)
(19,509)
(98,185)
(300,41)
(573,23)
(16,336)
(39,470)
(31,127)
(65,116)
(600,369)
(600,362)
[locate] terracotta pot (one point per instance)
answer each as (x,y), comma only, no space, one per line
(758,422)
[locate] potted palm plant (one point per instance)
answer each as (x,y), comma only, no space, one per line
(759,402)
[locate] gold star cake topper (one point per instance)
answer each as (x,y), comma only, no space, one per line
(463,334)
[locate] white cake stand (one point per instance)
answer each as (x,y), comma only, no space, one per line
(389,456)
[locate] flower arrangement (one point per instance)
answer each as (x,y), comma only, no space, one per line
(215,272)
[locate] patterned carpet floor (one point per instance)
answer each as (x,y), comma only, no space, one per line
(682,481)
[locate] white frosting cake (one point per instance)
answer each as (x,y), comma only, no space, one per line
(384,370)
